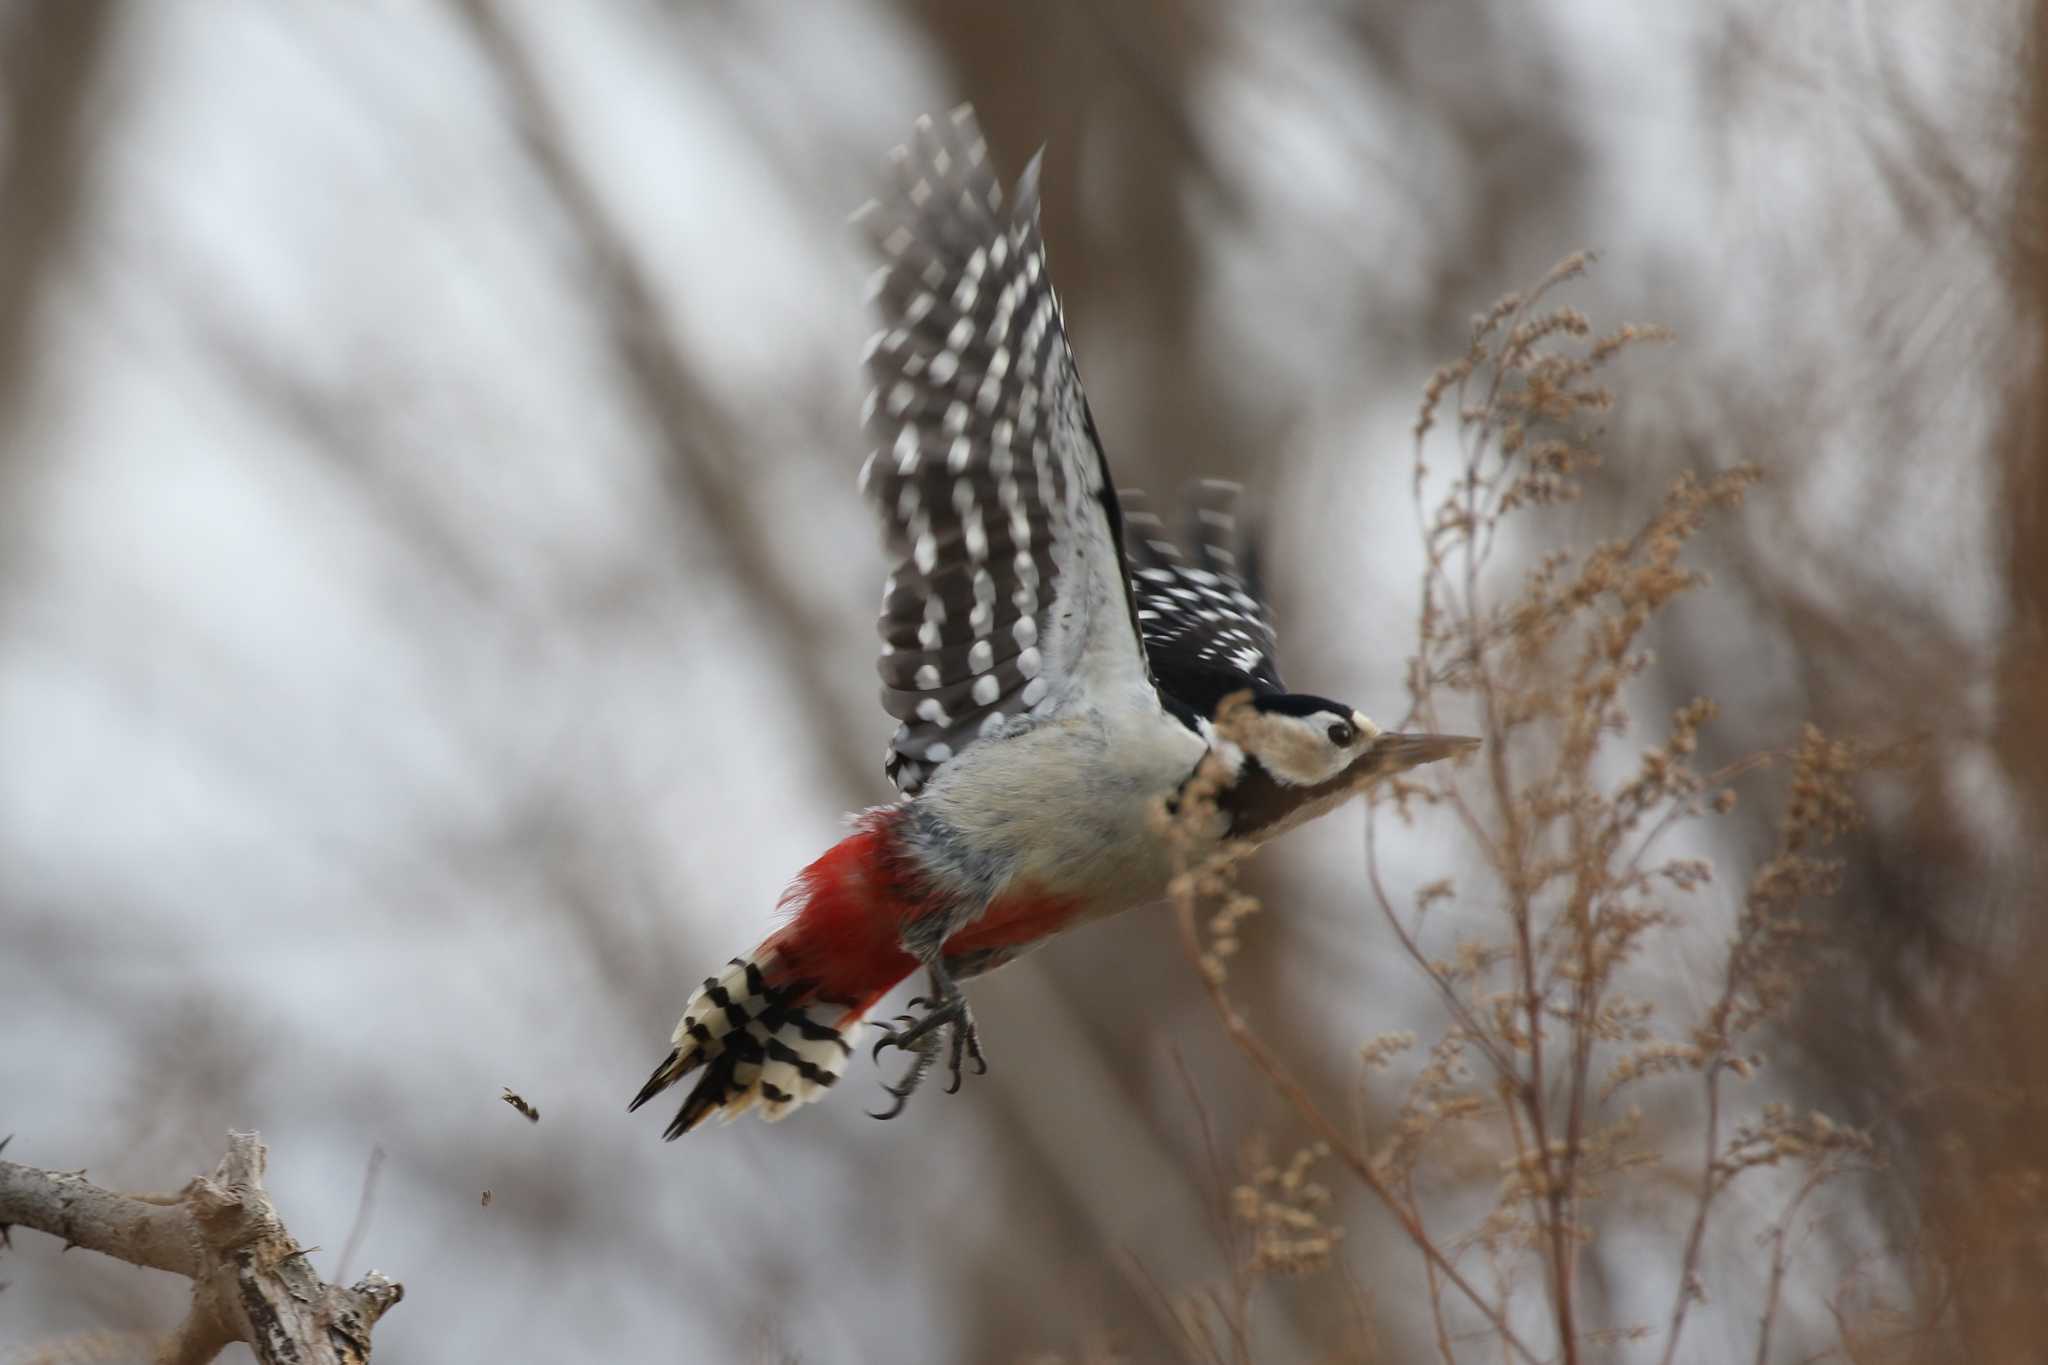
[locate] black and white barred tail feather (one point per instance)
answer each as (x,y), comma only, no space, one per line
(991,486)
(757,1044)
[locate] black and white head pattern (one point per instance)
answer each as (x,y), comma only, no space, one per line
(1007,592)
(1209,635)
(1208,631)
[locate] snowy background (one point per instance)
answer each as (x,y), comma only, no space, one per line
(436,616)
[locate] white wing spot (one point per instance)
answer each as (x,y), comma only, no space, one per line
(938,752)
(1029,662)
(994,726)
(986,689)
(898,241)
(961,452)
(1025,631)
(962,333)
(979,660)
(944,366)
(921,305)
(1034,691)
(930,711)
(926,552)
(927,678)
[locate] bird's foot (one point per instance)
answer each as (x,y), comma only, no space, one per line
(919,1035)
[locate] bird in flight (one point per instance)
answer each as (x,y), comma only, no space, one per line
(1058,667)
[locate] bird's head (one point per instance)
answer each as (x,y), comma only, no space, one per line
(1300,740)
(1292,756)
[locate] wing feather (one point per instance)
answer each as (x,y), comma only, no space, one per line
(1208,630)
(1007,597)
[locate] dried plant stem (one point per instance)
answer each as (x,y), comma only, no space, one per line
(1436,1298)
(1355,1160)
(1695,1236)
(1781,1258)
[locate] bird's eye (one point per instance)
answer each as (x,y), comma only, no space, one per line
(1341,734)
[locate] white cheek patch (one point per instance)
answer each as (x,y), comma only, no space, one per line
(1295,750)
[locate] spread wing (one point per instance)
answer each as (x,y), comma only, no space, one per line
(1208,631)
(1008,598)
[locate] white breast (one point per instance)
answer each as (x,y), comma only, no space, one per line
(1067,806)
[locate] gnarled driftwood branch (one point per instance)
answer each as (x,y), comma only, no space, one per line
(250,1281)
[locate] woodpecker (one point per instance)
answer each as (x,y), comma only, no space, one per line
(1055,662)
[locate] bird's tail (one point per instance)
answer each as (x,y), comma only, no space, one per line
(759,1039)
(772,1030)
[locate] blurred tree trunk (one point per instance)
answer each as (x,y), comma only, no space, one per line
(1985,1179)
(50,61)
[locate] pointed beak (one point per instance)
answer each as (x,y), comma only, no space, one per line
(1398,753)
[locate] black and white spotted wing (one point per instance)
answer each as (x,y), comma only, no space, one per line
(1208,631)
(1008,595)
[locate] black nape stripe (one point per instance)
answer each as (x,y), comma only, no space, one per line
(1298,704)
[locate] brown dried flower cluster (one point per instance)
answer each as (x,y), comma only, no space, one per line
(1567,885)
(1285,1211)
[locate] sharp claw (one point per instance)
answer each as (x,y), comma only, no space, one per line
(953,1061)
(917,1034)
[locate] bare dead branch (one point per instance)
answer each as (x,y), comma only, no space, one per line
(251,1282)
